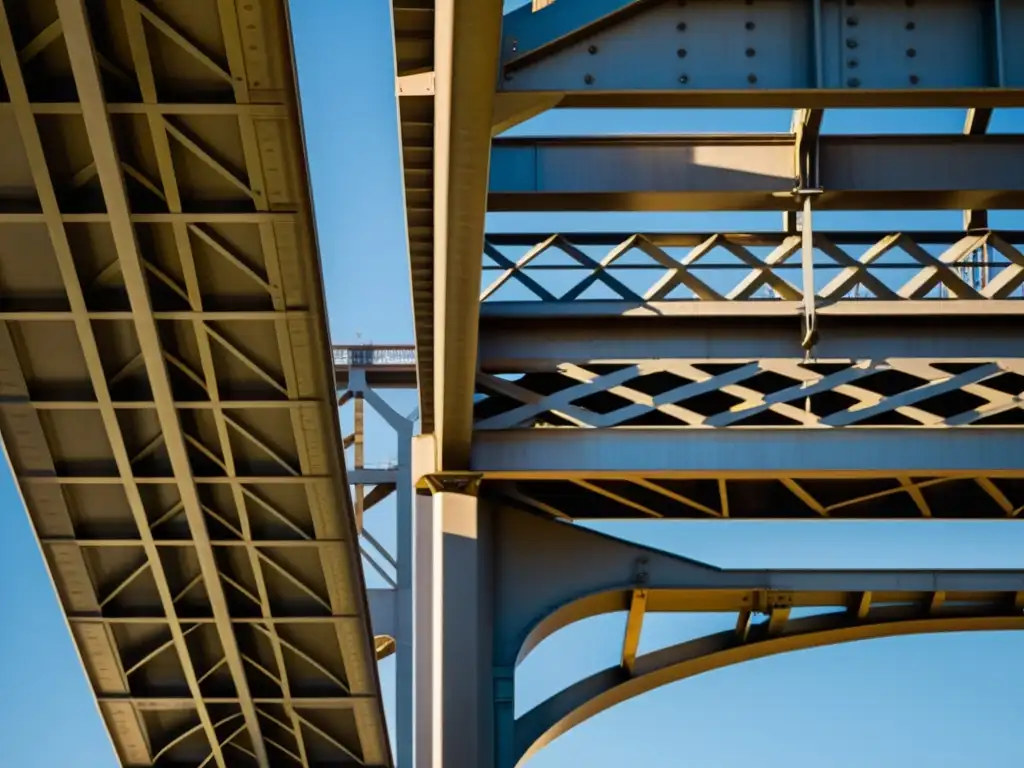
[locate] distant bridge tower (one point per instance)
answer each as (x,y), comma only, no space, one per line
(361,373)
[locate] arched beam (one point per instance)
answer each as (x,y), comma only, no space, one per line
(548,575)
(603,690)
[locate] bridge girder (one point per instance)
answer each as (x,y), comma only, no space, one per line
(637,53)
(594,429)
(751,172)
(166,324)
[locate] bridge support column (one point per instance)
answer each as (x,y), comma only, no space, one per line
(404,560)
(463,685)
(423,631)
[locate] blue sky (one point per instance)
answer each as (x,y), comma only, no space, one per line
(937,701)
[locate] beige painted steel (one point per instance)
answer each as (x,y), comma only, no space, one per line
(169,407)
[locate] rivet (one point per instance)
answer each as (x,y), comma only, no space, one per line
(750,53)
(255,83)
(681,53)
(853,82)
(851,43)
(588,79)
(911,53)
(681,26)
(852,63)
(911,26)
(592,50)
(508,76)
(914,80)
(751,78)
(684,79)
(851,21)
(750,25)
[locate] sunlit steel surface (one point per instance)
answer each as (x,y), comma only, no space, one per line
(169,407)
(797,373)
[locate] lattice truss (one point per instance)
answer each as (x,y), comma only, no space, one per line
(739,267)
(906,392)
(365,500)
(368,495)
(167,400)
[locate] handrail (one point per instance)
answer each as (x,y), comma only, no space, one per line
(367,355)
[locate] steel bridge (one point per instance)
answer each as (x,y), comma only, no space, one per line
(794,373)
(169,404)
(160,280)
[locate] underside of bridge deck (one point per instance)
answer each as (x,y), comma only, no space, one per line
(168,395)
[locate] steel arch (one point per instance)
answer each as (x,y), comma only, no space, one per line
(614,685)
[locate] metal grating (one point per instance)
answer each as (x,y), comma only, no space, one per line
(168,402)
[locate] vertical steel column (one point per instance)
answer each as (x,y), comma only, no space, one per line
(405,638)
(405,690)
(359,433)
(810,333)
(807,130)
(462,705)
(423,629)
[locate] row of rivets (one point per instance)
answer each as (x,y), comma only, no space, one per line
(851,43)
(750,53)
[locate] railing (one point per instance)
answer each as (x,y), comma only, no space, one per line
(860,266)
(347,356)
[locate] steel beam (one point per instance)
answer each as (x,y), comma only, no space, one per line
(101,139)
(466,41)
(383,611)
(788,53)
(549,575)
(522,345)
(731,275)
(755,172)
(746,453)
(603,309)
